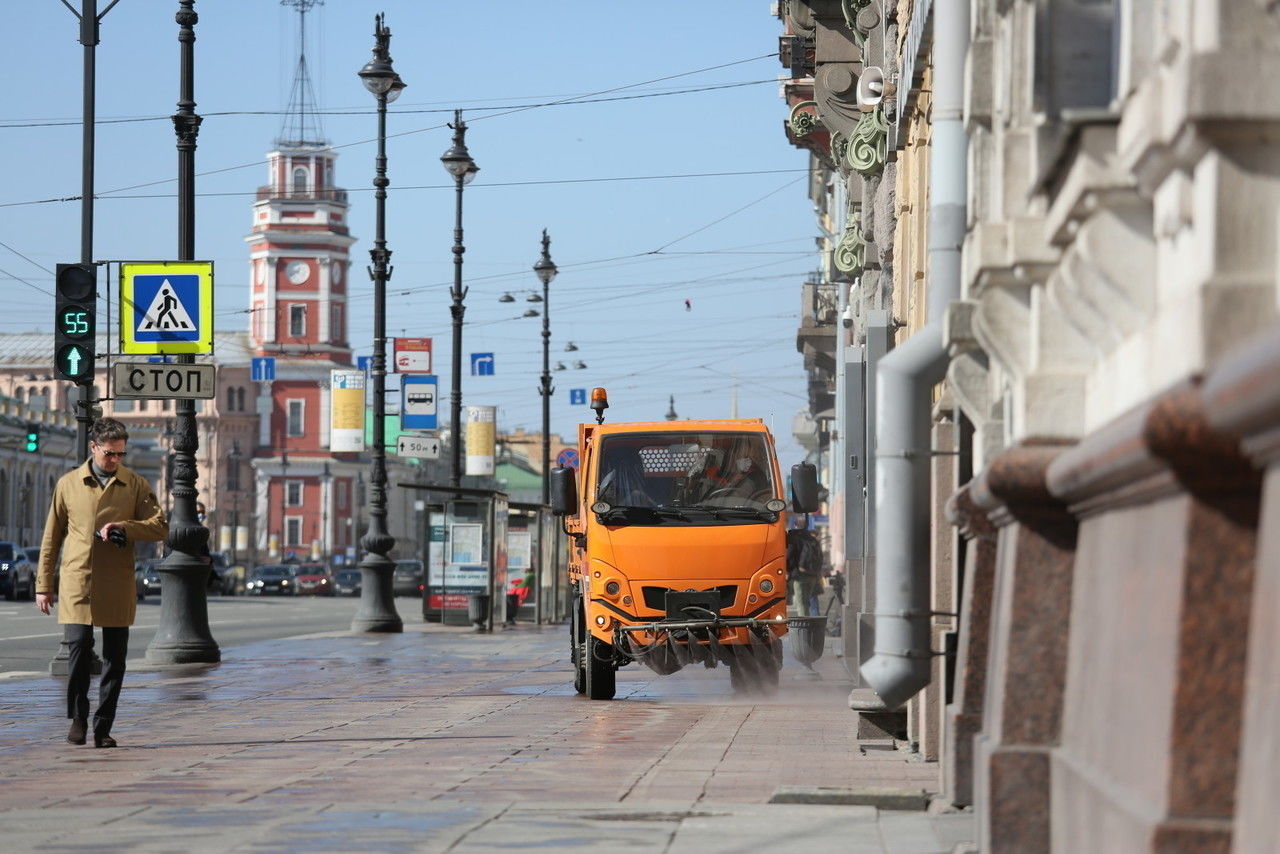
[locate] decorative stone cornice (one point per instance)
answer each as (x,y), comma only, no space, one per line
(1165,444)
(969,519)
(1013,488)
(1242,397)
(866,151)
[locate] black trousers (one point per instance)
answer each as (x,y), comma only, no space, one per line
(115,646)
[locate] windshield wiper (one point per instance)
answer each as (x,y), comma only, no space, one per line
(629,513)
(736,512)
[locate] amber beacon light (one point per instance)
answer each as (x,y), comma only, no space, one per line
(599,402)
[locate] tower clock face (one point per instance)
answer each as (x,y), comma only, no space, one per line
(297,271)
(336,272)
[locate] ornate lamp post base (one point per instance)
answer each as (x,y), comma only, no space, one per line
(377,612)
(183,636)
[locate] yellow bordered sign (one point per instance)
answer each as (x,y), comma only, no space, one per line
(166,307)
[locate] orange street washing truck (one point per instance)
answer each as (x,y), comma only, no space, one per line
(677,548)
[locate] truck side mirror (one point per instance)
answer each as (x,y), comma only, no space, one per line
(564,491)
(804,488)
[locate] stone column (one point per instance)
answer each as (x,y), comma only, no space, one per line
(1243,396)
(1164,569)
(963,719)
(1026,663)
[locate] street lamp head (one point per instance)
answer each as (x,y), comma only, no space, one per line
(560,366)
(506,298)
(397,86)
(532,312)
(570,347)
(377,75)
(545,268)
(579,365)
(457,160)
(533,297)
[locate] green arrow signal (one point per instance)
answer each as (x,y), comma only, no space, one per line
(74,360)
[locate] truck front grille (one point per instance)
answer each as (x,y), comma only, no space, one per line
(655,598)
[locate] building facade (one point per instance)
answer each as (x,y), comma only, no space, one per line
(1068,441)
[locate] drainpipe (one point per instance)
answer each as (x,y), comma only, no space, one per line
(901,663)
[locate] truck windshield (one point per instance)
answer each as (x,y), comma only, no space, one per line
(685,472)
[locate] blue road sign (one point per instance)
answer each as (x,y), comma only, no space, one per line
(568,458)
(364,363)
(481,364)
(262,368)
(418,401)
(577,396)
(159,360)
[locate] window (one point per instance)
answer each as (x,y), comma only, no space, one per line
(293,493)
(297,417)
(297,321)
(233,473)
(293,530)
(239,398)
(121,404)
(336,333)
(341,490)
(17,394)
(299,180)
(231,399)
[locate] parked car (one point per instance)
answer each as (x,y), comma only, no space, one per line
(147,577)
(17,573)
(222,578)
(346,582)
(278,579)
(33,555)
(313,579)
(406,579)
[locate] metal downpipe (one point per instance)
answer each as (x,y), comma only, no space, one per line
(901,663)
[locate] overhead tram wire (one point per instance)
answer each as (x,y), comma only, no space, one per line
(360,111)
(259,163)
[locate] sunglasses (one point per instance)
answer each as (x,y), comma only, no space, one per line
(119,455)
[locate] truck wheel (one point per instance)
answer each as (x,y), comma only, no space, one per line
(575,648)
(602,679)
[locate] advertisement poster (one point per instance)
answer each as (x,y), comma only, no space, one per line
(480,439)
(346,411)
(466,543)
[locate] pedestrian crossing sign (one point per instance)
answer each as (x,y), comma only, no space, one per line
(166,307)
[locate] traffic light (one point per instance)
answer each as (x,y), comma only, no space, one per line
(74,321)
(33,438)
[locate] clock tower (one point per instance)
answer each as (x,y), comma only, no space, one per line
(305,494)
(298,258)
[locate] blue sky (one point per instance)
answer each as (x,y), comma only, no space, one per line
(632,244)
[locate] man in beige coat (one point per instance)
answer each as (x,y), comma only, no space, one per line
(98,511)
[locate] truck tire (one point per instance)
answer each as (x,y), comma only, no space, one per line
(576,644)
(602,679)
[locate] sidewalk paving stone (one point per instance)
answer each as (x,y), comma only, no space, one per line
(438,739)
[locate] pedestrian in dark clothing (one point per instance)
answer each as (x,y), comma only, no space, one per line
(98,511)
(804,571)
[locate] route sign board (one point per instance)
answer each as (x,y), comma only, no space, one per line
(481,364)
(364,363)
(262,368)
(568,458)
(412,356)
(577,397)
(417,445)
(151,381)
(166,307)
(418,393)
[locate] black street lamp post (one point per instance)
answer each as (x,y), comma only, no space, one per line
(458,163)
(545,269)
(377,612)
(183,634)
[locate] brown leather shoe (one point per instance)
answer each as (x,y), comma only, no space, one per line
(103,741)
(76,734)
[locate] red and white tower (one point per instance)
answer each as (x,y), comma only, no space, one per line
(298,265)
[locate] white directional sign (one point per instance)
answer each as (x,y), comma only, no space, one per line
(415,445)
(151,381)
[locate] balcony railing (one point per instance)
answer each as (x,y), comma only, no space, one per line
(819,304)
(334,195)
